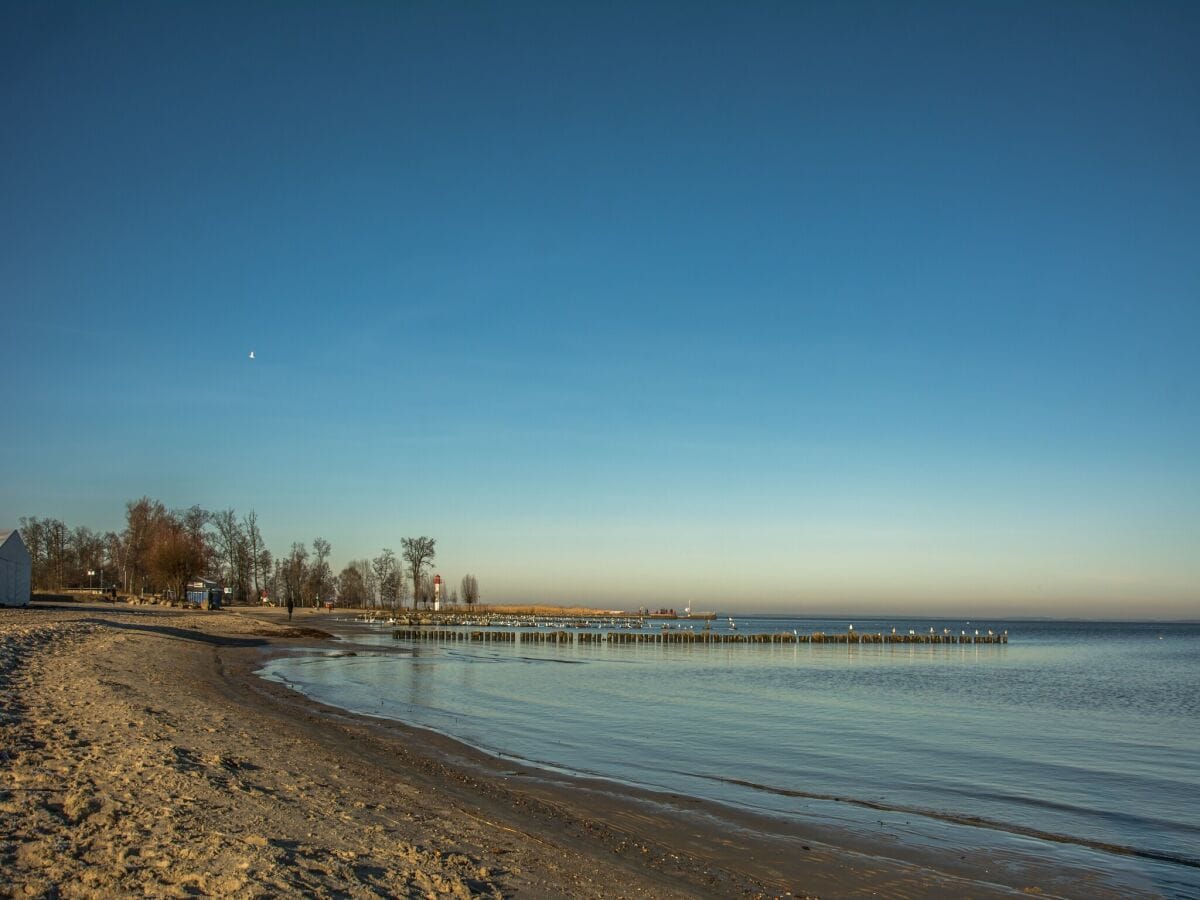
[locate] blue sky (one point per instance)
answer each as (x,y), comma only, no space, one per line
(815,306)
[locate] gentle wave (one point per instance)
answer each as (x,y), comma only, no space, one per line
(1083,736)
(972,821)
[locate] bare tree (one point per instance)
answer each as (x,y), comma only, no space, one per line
(352,590)
(470,590)
(195,521)
(370,582)
(61,556)
(389,578)
(418,552)
(294,574)
(174,556)
(33,533)
(56,551)
(114,551)
(320,578)
(87,552)
(233,548)
(275,579)
(425,595)
(255,549)
(142,518)
(266,566)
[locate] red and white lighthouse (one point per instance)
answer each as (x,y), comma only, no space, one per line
(437,592)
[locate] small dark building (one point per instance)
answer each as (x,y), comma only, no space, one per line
(204,593)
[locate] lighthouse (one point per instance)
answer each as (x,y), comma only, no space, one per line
(437,593)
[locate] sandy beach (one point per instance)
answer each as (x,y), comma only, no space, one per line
(141,755)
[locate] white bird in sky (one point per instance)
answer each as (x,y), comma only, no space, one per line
(252,354)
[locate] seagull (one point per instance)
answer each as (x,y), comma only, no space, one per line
(252,354)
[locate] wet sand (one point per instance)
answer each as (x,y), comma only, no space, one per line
(141,755)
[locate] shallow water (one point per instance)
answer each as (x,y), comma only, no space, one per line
(1078,740)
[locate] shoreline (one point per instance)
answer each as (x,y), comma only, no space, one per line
(117,714)
(1007,840)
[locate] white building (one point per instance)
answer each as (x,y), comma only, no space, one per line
(15,570)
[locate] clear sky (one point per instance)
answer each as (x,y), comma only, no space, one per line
(814,306)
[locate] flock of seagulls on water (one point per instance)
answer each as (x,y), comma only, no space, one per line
(391,620)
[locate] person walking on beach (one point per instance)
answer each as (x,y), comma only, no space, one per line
(289,609)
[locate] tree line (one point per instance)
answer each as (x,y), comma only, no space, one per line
(160,551)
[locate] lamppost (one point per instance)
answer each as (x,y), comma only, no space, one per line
(91,584)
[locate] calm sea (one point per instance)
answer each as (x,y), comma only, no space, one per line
(1078,740)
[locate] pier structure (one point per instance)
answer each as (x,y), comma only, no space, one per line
(693,637)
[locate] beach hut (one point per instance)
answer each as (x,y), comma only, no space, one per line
(15,570)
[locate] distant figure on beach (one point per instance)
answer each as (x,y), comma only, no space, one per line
(289,609)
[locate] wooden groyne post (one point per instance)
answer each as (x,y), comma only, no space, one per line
(705,636)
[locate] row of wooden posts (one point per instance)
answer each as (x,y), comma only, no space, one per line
(689,637)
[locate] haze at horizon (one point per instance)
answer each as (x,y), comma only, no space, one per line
(802,307)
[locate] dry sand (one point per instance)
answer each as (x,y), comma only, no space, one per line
(141,756)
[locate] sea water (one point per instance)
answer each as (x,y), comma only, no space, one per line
(1079,739)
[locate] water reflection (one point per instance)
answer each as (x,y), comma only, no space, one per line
(1086,731)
